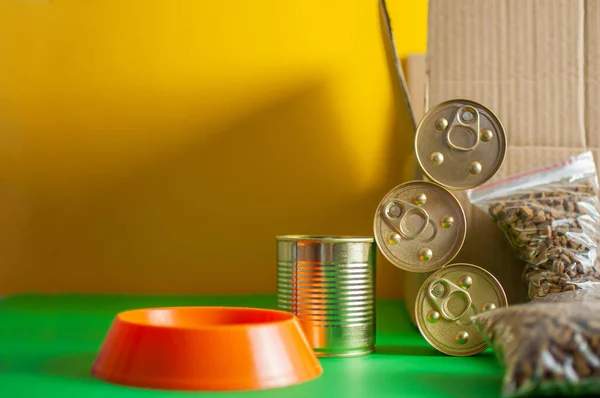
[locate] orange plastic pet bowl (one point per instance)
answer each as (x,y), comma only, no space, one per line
(206,349)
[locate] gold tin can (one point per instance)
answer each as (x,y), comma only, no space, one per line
(460,144)
(419,226)
(329,284)
(446,302)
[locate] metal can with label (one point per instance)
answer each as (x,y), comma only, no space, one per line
(460,144)
(446,302)
(419,226)
(329,284)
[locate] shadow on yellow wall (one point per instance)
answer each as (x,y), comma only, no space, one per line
(159,147)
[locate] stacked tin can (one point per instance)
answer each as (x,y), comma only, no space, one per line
(420,226)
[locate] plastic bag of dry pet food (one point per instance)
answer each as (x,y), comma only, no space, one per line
(550,217)
(550,346)
(588,295)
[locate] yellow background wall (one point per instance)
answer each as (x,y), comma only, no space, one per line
(159,146)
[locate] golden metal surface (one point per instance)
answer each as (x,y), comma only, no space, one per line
(328,282)
(419,238)
(460,144)
(447,300)
(441,124)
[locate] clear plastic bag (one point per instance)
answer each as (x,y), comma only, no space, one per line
(573,296)
(550,217)
(547,347)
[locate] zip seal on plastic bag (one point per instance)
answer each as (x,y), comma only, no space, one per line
(550,217)
(550,346)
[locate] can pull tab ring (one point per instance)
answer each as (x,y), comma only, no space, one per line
(440,292)
(466,123)
(396,214)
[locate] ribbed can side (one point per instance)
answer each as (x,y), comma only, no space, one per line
(330,286)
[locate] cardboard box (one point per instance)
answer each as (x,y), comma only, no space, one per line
(536,65)
(416,78)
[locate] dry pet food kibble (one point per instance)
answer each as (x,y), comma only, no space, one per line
(547,347)
(550,218)
(588,295)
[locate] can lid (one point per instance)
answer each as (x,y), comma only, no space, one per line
(419,226)
(460,144)
(446,302)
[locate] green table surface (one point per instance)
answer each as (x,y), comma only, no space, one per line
(48,345)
